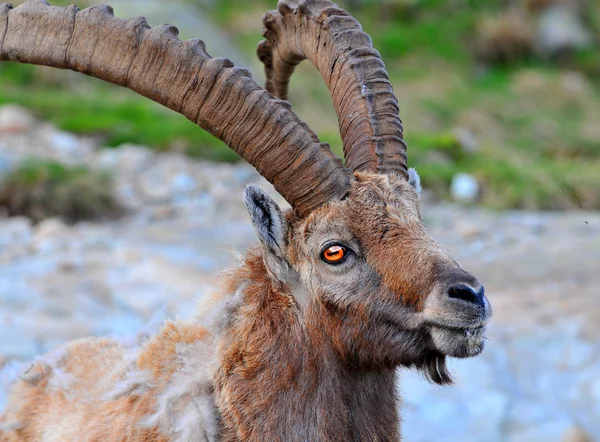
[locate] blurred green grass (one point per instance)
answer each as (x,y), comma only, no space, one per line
(116,114)
(534,121)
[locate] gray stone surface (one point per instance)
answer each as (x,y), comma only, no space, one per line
(15,119)
(561,28)
(537,380)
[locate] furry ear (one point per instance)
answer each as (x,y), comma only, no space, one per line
(267,220)
(414,180)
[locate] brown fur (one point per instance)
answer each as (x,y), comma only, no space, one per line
(291,348)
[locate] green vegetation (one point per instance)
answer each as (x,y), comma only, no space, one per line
(534,122)
(95,108)
(41,189)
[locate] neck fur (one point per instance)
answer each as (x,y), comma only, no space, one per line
(280,378)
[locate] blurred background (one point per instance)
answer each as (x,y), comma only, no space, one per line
(115,212)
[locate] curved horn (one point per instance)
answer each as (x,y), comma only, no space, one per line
(362,94)
(180,75)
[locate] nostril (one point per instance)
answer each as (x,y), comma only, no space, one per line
(466,293)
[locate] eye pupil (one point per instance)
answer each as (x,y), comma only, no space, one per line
(334,253)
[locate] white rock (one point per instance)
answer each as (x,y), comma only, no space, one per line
(464,188)
(153,185)
(15,119)
(15,231)
(576,434)
(466,138)
(130,157)
(50,235)
(65,142)
(50,227)
(560,29)
(183,182)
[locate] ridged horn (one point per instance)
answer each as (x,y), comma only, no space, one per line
(181,75)
(363,97)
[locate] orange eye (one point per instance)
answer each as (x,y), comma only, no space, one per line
(334,254)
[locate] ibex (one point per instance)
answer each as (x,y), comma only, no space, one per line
(301,342)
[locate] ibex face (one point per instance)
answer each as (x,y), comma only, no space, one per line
(367,271)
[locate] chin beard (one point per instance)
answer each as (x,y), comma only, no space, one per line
(433,366)
(460,343)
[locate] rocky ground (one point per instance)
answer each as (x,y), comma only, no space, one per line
(538,380)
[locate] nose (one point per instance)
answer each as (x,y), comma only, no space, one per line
(467,293)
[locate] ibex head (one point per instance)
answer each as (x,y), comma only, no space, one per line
(352,250)
(365,270)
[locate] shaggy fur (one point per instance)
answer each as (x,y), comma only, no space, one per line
(289,348)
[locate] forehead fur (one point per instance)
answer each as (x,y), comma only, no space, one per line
(379,198)
(389,193)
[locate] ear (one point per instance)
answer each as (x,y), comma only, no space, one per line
(267,220)
(414,180)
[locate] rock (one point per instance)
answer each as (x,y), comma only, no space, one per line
(65,142)
(6,163)
(576,434)
(466,139)
(575,83)
(560,30)
(62,146)
(468,229)
(464,188)
(49,228)
(134,157)
(183,182)
(126,158)
(49,235)
(15,231)
(163,211)
(153,189)
(15,119)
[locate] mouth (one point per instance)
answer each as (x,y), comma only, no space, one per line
(456,341)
